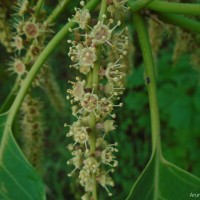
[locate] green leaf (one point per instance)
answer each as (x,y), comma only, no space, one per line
(18,179)
(161,180)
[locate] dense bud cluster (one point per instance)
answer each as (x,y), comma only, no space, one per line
(32,131)
(5,29)
(53,91)
(94,95)
(185,41)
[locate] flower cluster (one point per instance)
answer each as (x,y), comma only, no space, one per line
(94,95)
(32,131)
(28,39)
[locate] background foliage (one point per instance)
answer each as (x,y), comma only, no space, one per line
(178,94)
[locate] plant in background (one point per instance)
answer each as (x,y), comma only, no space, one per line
(32,131)
(28,39)
(5,29)
(100,53)
(53,91)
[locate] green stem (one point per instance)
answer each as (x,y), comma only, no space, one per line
(39,62)
(95,83)
(150,79)
(139,4)
(151,87)
(27,56)
(95,75)
(181,21)
(89,80)
(38,7)
(102,10)
(57,11)
(176,8)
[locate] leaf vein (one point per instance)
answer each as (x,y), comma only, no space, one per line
(14,180)
(182,179)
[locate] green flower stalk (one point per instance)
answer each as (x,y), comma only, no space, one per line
(94,95)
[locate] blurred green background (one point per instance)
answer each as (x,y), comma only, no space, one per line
(179,103)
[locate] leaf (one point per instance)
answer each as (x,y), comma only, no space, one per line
(161,180)
(18,179)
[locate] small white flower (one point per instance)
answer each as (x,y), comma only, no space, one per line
(101,33)
(89,102)
(77,90)
(91,165)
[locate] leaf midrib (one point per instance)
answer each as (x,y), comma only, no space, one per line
(156,173)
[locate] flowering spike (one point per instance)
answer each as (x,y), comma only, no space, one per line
(94,97)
